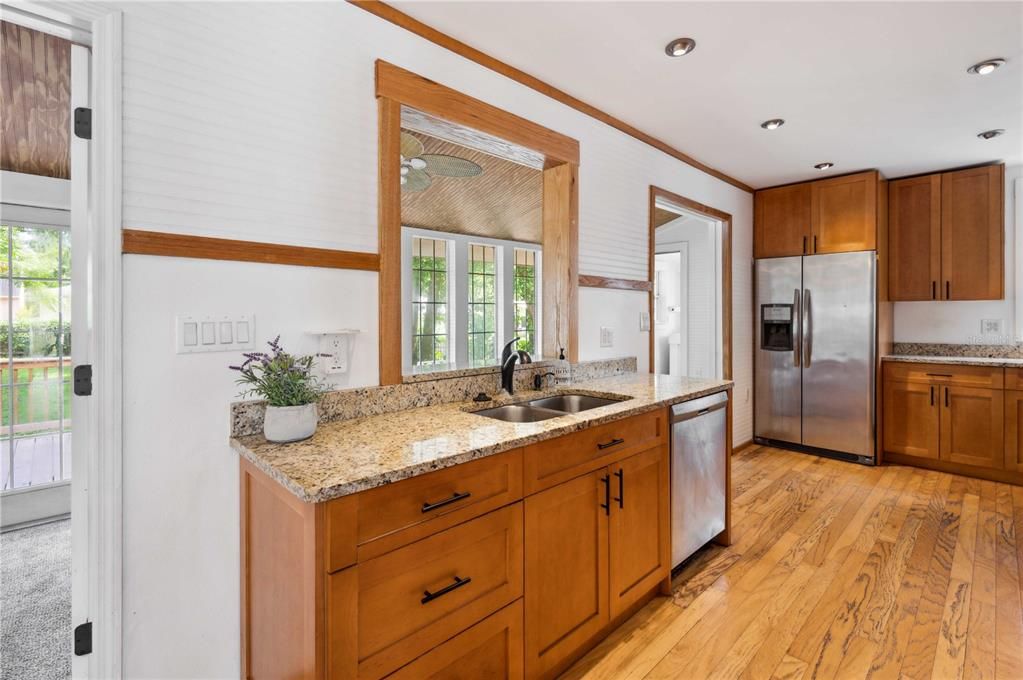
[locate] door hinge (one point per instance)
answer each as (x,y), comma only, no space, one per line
(83,122)
(83,638)
(83,380)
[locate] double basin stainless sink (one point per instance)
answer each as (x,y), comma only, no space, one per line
(546,408)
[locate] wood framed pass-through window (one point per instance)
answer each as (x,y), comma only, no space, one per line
(550,319)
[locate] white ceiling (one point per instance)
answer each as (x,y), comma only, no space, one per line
(863,85)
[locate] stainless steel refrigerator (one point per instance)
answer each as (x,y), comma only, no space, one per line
(816,345)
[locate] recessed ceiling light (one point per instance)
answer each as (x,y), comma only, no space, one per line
(680,47)
(985,67)
(772,124)
(989,134)
(824,166)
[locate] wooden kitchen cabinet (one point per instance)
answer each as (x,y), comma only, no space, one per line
(1014,430)
(566,564)
(640,530)
(782,221)
(914,241)
(836,215)
(596,546)
(972,232)
(491,649)
(946,236)
(971,426)
(911,418)
(955,418)
(843,216)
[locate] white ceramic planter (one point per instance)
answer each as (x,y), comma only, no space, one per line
(289,423)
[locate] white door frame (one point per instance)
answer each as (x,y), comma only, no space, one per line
(96,514)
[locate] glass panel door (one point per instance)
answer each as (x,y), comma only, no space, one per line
(35,349)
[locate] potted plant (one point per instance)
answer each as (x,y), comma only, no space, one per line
(289,387)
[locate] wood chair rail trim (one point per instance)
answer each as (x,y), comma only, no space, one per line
(591,281)
(141,242)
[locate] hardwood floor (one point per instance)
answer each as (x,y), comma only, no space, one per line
(839,571)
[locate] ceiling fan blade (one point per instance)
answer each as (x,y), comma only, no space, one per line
(410,146)
(450,166)
(416,180)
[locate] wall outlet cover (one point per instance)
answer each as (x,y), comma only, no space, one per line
(607,336)
(991,326)
(335,349)
(644,321)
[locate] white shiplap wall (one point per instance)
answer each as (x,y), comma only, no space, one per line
(257,121)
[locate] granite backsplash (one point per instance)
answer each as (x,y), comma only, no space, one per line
(950,350)
(419,390)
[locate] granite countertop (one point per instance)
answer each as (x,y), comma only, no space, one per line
(962,361)
(348,456)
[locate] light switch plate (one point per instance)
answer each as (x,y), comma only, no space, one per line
(644,321)
(607,336)
(214,333)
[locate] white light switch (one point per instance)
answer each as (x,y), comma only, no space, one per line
(190,337)
(213,333)
(607,336)
(209,333)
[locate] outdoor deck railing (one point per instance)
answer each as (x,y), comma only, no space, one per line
(37,417)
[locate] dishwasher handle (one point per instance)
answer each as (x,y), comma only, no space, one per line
(698,407)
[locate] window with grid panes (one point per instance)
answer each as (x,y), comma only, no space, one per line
(482,308)
(524,298)
(430,347)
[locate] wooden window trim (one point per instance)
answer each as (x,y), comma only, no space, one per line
(560,263)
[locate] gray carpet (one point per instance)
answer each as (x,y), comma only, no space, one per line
(35,602)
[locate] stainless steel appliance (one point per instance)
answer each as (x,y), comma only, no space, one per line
(698,460)
(815,353)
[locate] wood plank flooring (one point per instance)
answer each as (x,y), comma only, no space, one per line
(839,571)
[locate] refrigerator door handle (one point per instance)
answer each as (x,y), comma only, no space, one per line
(806,331)
(796,318)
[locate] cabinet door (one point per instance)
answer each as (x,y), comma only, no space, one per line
(844,214)
(911,418)
(782,221)
(971,426)
(566,570)
(914,238)
(972,233)
(1014,430)
(640,533)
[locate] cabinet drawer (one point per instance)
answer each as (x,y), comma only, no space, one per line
(414,598)
(436,500)
(946,374)
(558,460)
(491,649)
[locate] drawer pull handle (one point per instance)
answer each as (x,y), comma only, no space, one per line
(940,375)
(458,583)
(613,442)
(454,498)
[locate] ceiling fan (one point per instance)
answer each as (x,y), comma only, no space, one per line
(418,168)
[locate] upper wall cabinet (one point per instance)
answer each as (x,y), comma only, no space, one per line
(946,236)
(782,221)
(836,215)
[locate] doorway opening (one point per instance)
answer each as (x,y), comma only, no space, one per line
(690,305)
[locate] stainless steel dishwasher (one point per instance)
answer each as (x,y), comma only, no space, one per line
(698,460)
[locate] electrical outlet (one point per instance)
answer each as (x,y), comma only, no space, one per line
(335,346)
(607,336)
(213,333)
(991,327)
(644,321)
